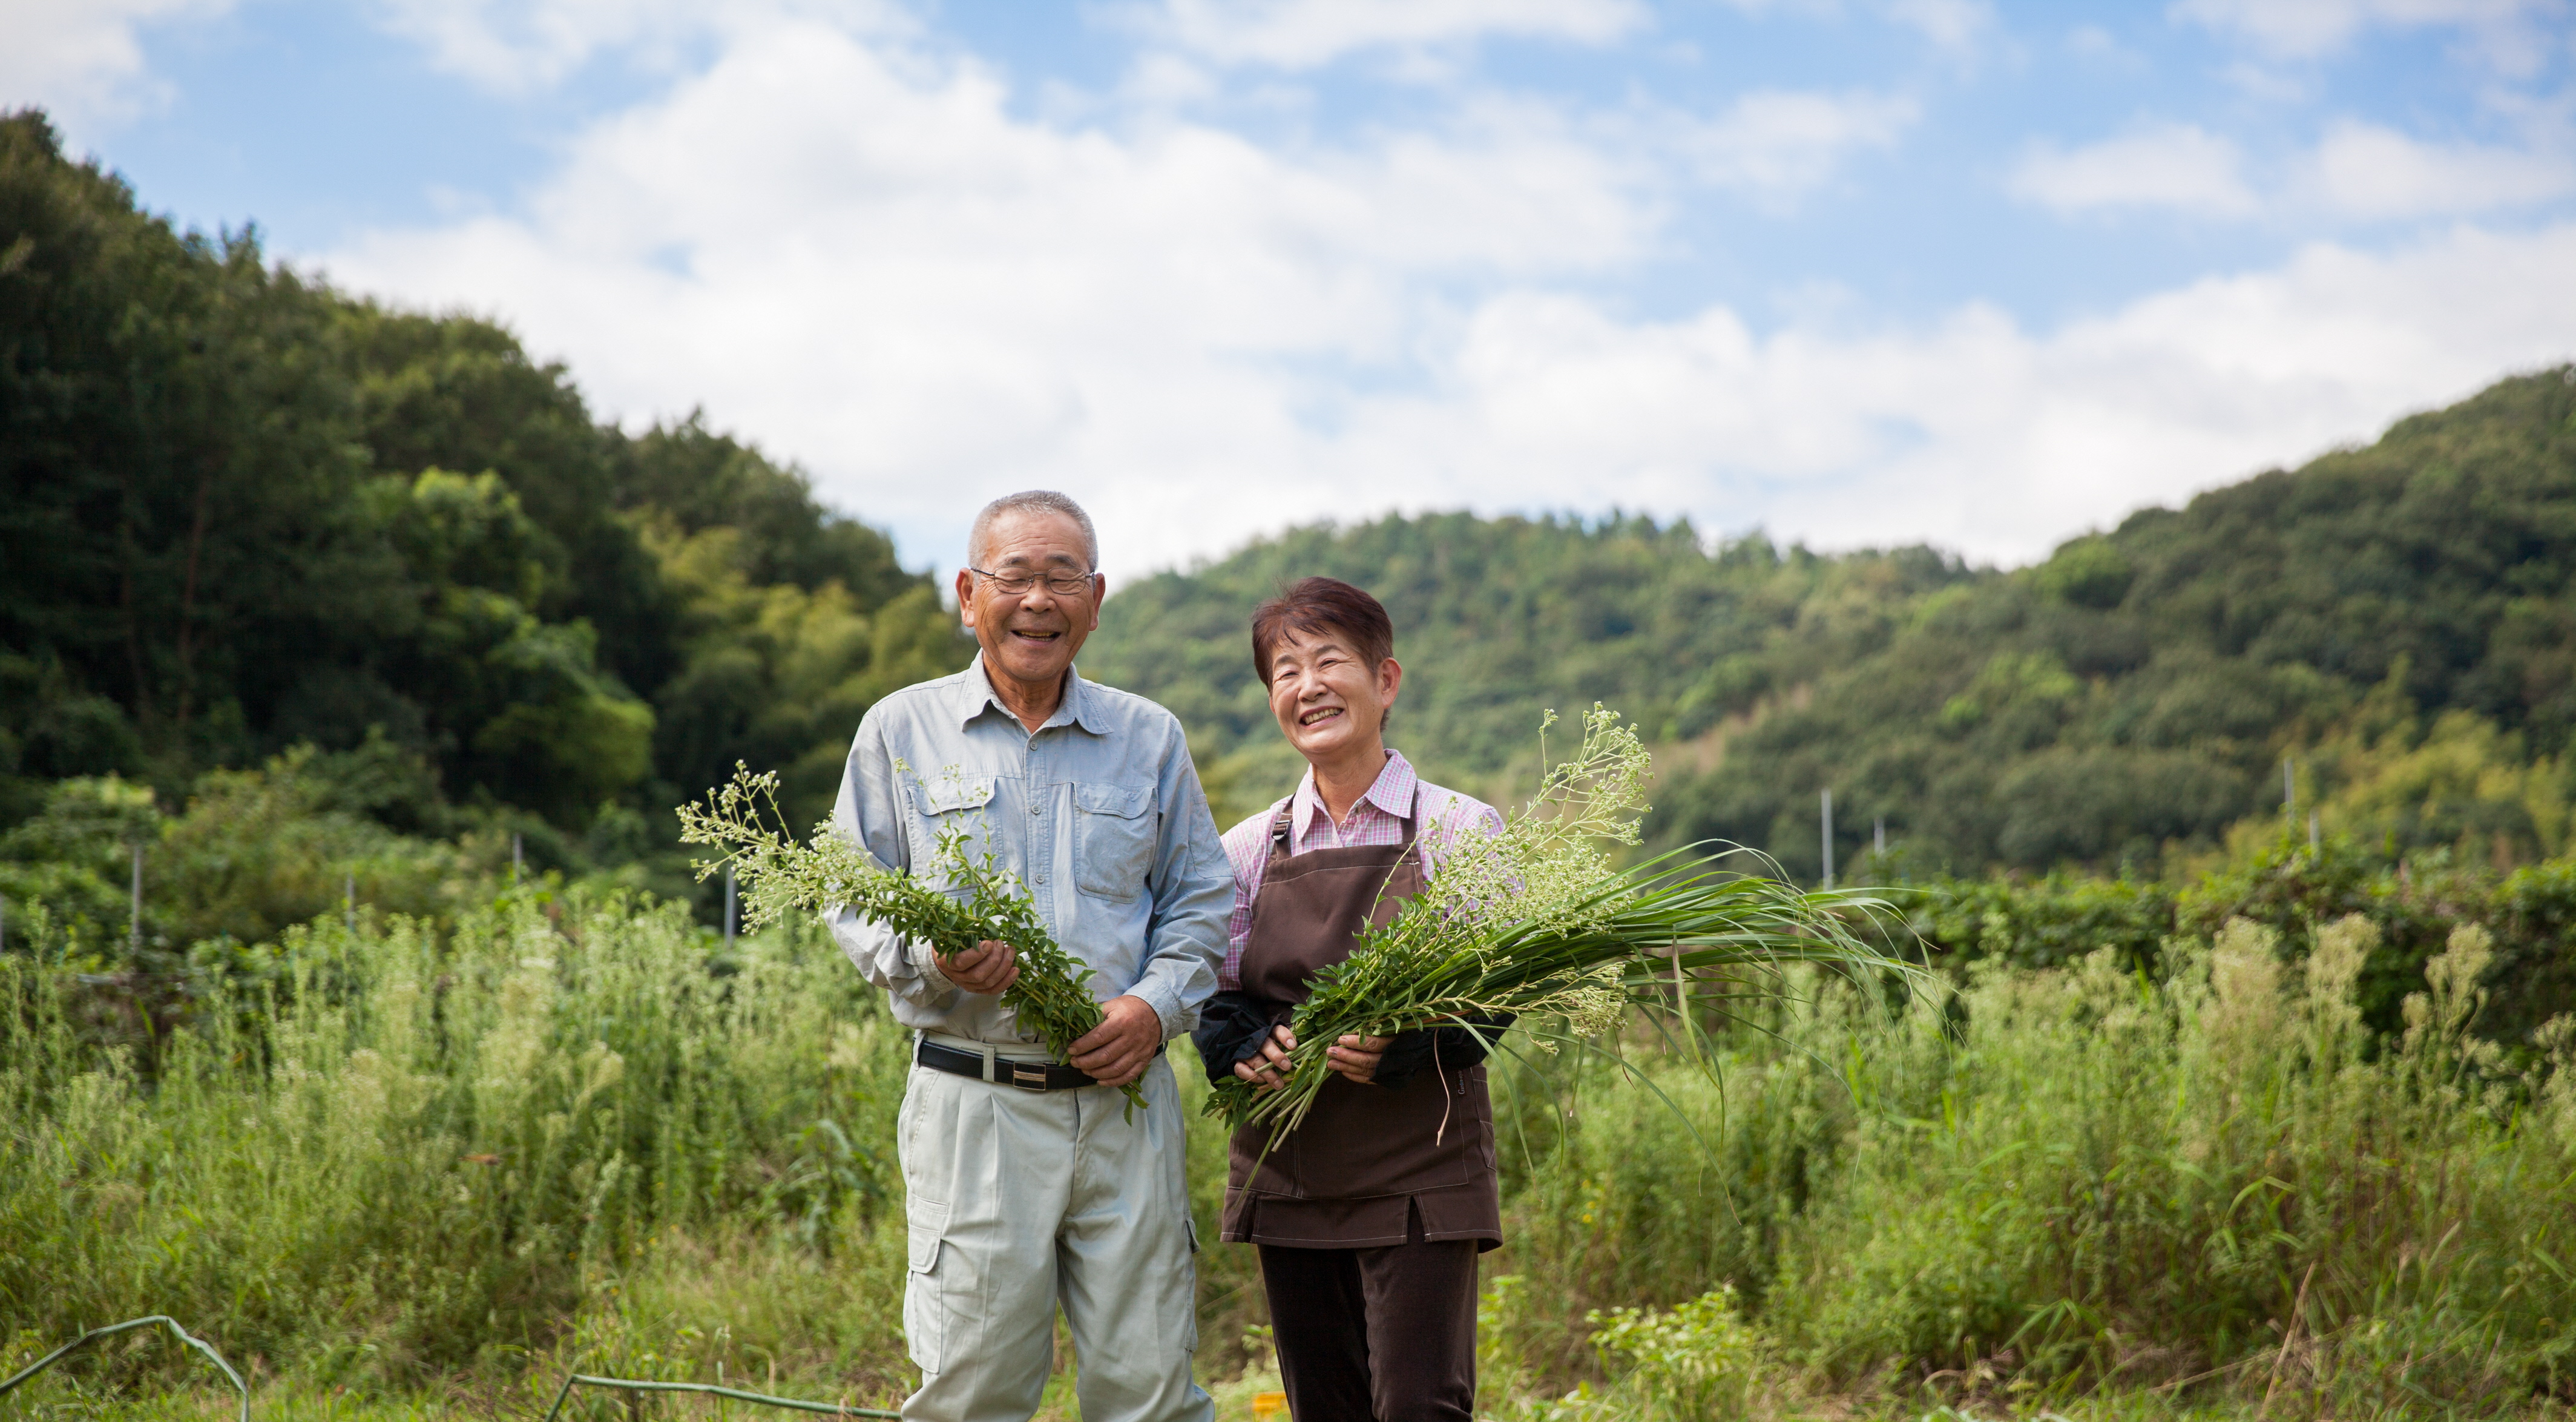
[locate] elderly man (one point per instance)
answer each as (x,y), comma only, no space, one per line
(1029,1184)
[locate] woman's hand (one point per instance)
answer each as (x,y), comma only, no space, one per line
(1356,1057)
(1264,1069)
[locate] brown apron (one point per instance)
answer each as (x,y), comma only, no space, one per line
(1367,1161)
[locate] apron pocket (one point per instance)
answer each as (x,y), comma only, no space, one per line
(925,1305)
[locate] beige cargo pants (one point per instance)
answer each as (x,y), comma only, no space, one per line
(1022,1200)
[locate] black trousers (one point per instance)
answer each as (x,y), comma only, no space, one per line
(1375,1335)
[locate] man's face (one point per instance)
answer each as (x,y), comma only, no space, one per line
(1030,637)
(1329,700)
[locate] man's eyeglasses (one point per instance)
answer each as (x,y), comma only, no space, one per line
(1018,584)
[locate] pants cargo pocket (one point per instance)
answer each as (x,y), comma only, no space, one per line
(925,1309)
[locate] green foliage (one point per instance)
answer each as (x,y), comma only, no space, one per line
(788,880)
(570,1131)
(240,511)
(1695,1359)
(2395,618)
(2076,1175)
(1537,920)
(405,1153)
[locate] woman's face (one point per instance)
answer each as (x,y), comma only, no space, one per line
(1329,701)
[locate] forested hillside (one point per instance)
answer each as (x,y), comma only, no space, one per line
(241,512)
(2399,621)
(245,513)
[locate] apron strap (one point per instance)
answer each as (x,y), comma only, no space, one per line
(1280,825)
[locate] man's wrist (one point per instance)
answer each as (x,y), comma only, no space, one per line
(1168,1018)
(926,958)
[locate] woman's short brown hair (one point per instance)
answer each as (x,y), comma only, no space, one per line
(1313,606)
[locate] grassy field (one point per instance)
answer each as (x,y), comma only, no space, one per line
(394,1173)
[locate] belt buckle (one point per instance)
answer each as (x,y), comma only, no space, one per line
(1029,1076)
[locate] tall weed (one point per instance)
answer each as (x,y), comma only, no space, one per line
(409,1152)
(2084,1177)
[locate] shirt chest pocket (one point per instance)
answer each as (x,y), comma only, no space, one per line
(939,806)
(1114,830)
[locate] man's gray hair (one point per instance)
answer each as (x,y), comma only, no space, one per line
(1032,501)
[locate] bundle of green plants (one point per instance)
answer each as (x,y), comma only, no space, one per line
(780,875)
(1538,920)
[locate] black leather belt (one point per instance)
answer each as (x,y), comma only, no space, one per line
(1028,1076)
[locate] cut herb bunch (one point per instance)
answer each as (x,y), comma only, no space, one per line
(778,875)
(1537,919)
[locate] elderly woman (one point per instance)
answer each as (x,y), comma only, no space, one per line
(1369,1217)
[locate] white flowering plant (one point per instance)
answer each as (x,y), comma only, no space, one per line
(779,876)
(1540,919)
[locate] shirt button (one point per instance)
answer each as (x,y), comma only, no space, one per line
(1034,810)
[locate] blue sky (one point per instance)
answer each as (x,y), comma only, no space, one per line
(1852,271)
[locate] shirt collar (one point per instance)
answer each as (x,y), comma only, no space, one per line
(1078,708)
(1391,792)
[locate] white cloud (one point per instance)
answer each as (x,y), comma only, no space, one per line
(83,62)
(869,262)
(2180,166)
(875,264)
(518,45)
(2357,171)
(1950,24)
(2311,27)
(1301,34)
(2372,172)
(1970,432)
(1776,145)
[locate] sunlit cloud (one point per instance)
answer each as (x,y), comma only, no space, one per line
(2178,166)
(1301,34)
(84,62)
(2373,172)
(868,257)
(1776,146)
(2304,28)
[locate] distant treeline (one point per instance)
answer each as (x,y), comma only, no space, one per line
(2397,621)
(242,512)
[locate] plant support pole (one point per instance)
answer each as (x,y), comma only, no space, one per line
(134,931)
(2289,794)
(641,1385)
(110,1331)
(1829,838)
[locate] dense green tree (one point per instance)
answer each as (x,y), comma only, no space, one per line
(241,512)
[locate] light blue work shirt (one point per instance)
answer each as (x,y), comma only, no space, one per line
(1099,813)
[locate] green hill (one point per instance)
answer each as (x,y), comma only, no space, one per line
(241,512)
(2398,620)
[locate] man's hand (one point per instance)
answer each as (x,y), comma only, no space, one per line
(1115,1052)
(1356,1057)
(988,967)
(1263,1070)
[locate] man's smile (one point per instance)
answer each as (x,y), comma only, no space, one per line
(1319,715)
